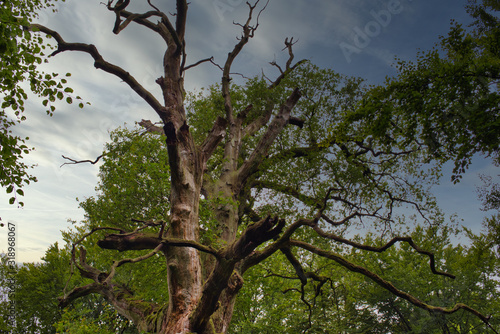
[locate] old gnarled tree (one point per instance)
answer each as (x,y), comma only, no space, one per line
(260,155)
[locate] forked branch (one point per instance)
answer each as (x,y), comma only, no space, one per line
(248,32)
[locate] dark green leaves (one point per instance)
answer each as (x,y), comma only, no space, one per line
(448,101)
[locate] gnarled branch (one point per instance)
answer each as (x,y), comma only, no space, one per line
(386,284)
(102,64)
(408,240)
(274,129)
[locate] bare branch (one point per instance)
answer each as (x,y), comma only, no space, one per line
(154,7)
(100,63)
(180,24)
(198,63)
(259,256)
(288,46)
(276,126)
(141,241)
(248,32)
(231,73)
(77,293)
(130,241)
(213,139)
(74,162)
(289,68)
(343,221)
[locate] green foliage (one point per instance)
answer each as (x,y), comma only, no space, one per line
(134,188)
(37,286)
(270,300)
(304,163)
(448,100)
(95,316)
(21,51)
(364,149)
(133,182)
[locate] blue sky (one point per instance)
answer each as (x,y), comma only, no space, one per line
(372,32)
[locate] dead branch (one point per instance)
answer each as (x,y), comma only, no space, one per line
(214,138)
(198,63)
(102,64)
(288,46)
(130,241)
(231,73)
(247,33)
(259,256)
(74,162)
(77,293)
(88,271)
(289,68)
(154,7)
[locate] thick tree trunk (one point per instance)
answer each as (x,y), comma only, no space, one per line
(197,304)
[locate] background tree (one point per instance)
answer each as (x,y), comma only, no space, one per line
(37,287)
(448,100)
(253,155)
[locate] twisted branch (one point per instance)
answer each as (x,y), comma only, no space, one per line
(386,284)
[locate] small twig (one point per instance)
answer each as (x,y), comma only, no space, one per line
(74,162)
(198,63)
(156,8)
(232,73)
